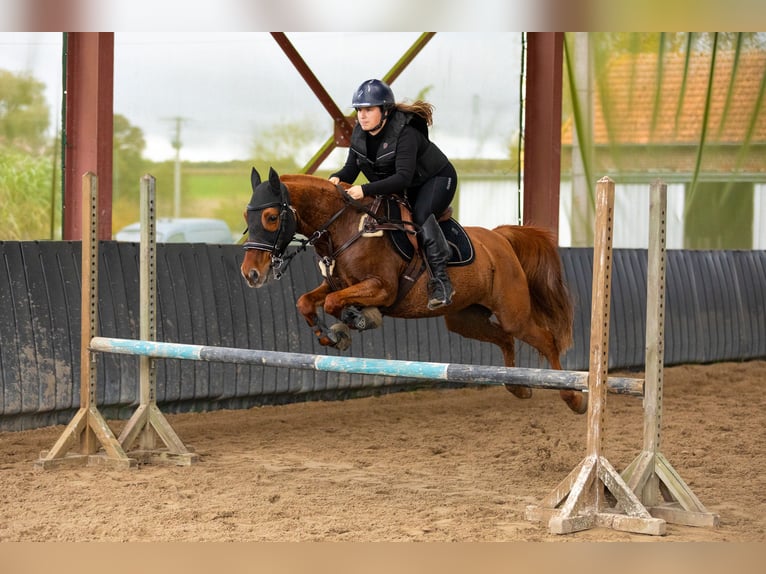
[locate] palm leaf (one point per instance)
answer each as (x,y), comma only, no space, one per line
(703,131)
(578,120)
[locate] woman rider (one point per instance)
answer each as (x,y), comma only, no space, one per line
(390,146)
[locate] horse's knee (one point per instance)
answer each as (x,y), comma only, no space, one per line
(304,306)
(333,305)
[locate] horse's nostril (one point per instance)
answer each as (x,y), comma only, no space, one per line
(253,275)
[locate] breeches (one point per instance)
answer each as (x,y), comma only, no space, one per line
(434,196)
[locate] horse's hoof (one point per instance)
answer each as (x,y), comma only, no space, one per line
(373,317)
(340,335)
(575,400)
(361,319)
(520,392)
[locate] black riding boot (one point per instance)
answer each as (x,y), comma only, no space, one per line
(436,252)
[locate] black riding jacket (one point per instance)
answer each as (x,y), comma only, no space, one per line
(400,157)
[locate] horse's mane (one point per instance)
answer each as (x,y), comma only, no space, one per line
(309,180)
(311,183)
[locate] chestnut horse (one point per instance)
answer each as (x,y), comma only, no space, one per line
(514,287)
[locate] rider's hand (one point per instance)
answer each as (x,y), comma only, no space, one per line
(356,192)
(335,180)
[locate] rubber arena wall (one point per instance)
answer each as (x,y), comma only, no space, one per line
(715,311)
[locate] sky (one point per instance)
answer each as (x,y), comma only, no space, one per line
(227,88)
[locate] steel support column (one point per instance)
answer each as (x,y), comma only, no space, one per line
(88,127)
(542,139)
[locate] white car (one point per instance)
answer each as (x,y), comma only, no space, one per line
(181,230)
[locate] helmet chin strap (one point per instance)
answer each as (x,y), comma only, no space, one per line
(383,118)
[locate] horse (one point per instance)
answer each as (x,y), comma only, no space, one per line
(513,289)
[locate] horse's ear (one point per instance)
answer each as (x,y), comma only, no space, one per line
(274,180)
(255,178)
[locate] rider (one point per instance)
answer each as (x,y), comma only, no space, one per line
(390,146)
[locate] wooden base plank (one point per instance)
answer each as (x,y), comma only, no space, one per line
(674,514)
(164,457)
(79,460)
(675,503)
(88,430)
(583,507)
(144,427)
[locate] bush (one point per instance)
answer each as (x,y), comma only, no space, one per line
(25,195)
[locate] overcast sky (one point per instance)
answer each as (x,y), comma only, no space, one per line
(229,87)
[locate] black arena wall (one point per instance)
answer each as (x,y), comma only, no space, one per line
(715,311)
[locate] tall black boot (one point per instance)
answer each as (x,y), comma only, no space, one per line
(436,252)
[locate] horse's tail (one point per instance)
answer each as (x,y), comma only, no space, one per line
(538,254)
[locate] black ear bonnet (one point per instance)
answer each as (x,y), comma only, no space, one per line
(270,193)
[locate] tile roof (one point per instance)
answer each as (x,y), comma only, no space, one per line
(631,86)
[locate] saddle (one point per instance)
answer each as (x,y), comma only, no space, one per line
(405,242)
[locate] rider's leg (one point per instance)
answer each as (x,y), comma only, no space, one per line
(433,198)
(436,253)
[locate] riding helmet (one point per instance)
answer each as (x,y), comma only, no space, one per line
(373,93)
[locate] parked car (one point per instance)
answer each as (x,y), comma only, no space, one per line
(181,230)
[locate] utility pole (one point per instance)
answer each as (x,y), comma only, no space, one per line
(176,143)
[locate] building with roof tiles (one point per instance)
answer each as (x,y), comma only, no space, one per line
(662,121)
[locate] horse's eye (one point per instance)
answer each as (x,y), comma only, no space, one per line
(271,218)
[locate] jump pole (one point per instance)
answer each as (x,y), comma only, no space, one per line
(148,423)
(444,372)
(87,431)
(579,502)
(659,487)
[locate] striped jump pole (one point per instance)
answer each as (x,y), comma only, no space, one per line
(446,372)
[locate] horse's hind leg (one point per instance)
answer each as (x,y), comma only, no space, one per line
(475,323)
(543,340)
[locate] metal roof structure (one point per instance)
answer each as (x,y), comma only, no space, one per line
(88,110)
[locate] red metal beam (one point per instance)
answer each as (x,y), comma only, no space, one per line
(343,125)
(542,130)
(88,128)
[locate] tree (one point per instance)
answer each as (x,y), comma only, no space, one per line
(128,147)
(128,165)
(281,145)
(23,112)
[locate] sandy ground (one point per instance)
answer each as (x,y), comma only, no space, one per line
(428,465)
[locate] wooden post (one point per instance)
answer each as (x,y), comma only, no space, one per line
(650,475)
(579,501)
(88,428)
(148,422)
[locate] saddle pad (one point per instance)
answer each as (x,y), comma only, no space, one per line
(461,248)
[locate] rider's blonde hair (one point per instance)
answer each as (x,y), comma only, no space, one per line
(418,107)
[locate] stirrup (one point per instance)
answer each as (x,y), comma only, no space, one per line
(435,302)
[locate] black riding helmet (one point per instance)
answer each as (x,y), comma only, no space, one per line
(373,93)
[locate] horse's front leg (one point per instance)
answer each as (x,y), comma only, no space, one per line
(357,305)
(307,305)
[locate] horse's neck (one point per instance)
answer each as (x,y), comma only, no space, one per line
(315,205)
